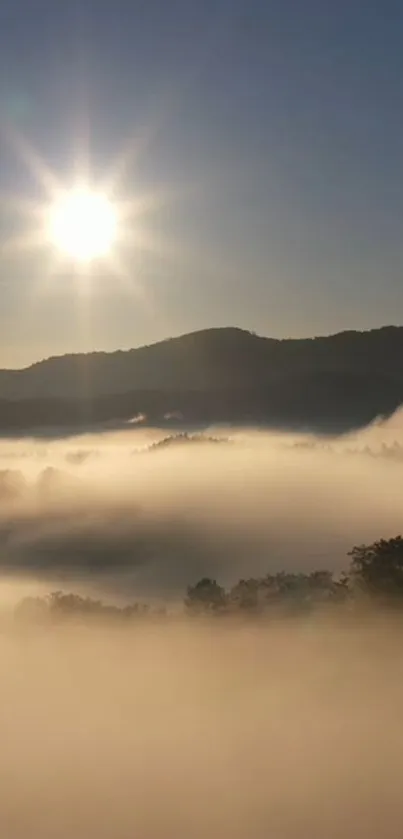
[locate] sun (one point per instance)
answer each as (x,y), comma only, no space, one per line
(87,229)
(82,224)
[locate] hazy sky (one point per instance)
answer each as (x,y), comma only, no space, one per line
(274,128)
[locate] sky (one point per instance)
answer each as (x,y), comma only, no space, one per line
(264,149)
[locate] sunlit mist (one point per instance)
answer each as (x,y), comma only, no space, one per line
(172,725)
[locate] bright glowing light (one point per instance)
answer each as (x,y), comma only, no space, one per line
(83,225)
(75,221)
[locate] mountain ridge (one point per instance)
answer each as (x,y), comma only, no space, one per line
(222,374)
(201,332)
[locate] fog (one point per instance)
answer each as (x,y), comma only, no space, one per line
(138,513)
(287,728)
(288,731)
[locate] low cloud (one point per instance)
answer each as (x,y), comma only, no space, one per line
(290,728)
(139,513)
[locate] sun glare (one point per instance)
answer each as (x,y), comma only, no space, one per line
(75,227)
(83,225)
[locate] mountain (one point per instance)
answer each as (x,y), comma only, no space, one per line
(226,375)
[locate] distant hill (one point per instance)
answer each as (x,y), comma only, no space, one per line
(216,375)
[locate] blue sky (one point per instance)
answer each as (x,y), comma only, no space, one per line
(275,129)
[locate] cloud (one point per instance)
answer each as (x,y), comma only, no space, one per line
(93,509)
(180,729)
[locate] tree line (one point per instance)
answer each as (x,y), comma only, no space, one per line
(375,573)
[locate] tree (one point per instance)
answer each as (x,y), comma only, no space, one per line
(207,596)
(377,569)
(245,595)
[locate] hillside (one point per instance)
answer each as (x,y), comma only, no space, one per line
(216,375)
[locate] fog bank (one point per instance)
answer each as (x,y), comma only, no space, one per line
(116,513)
(293,732)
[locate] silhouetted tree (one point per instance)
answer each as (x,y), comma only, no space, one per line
(282,591)
(60,607)
(377,569)
(207,596)
(245,595)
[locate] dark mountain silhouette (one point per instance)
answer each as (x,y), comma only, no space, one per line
(215,375)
